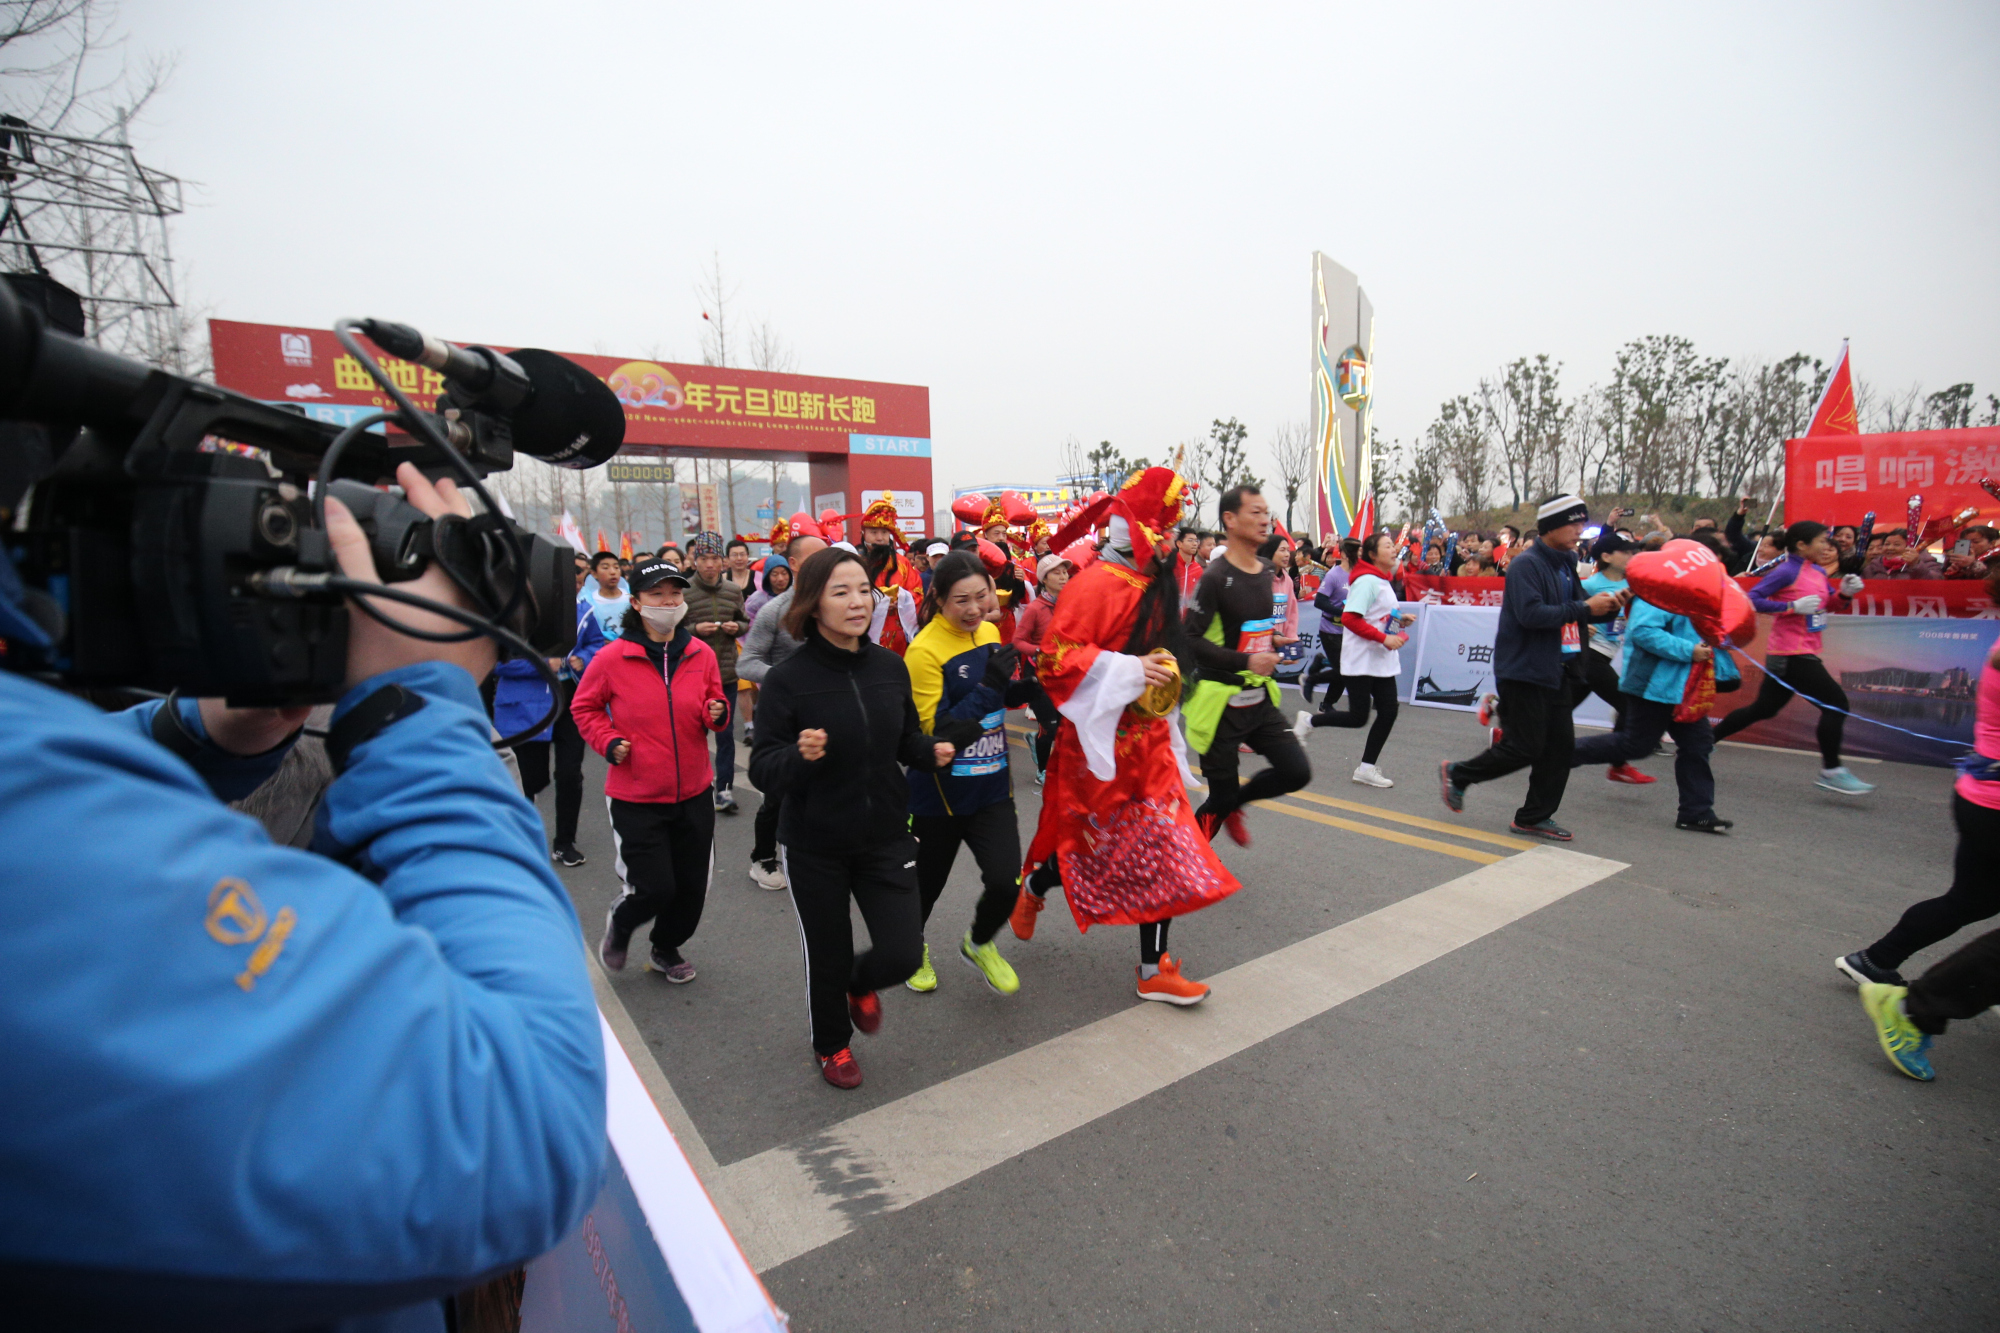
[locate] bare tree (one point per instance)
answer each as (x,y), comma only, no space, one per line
(1231,461)
(715,297)
(1886,410)
(1293,456)
(1524,412)
(1949,409)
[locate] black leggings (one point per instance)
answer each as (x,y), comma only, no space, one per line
(994,835)
(1964,985)
(882,882)
(1974,894)
(1809,676)
(1362,691)
(568,747)
(664,855)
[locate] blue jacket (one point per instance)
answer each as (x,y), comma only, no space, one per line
(1659,653)
(378,1071)
(521,697)
(1543,594)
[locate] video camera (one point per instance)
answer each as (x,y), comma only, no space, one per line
(178,542)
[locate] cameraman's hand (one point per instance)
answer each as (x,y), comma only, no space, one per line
(373,648)
(248,731)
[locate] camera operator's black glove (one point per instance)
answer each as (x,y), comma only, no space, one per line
(1000,665)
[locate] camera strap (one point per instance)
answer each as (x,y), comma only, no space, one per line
(170,732)
(363,722)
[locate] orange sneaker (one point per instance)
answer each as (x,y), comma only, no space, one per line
(1027,906)
(1170,986)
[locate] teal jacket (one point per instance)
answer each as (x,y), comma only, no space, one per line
(1659,652)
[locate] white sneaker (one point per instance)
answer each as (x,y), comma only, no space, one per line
(1303,727)
(767,875)
(1370,776)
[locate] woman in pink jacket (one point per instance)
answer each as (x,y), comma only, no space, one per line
(647,703)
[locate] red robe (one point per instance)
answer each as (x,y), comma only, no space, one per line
(898,573)
(1128,849)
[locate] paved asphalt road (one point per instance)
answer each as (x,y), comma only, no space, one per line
(1652,1104)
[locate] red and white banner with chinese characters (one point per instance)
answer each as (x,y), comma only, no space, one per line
(1937,599)
(1840,478)
(691,409)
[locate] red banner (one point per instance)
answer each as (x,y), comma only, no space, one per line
(691,408)
(1936,599)
(1839,478)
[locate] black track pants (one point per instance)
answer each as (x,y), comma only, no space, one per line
(1964,985)
(569,769)
(1974,894)
(1262,727)
(1808,675)
(666,850)
(533,758)
(994,836)
(1363,691)
(1536,733)
(882,882)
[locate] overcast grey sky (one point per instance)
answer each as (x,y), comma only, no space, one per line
(1096,220)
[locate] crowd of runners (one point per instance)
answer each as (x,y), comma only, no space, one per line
(874,682)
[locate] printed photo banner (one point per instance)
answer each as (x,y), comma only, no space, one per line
(1935,599)
(653,1254)
(1453,665)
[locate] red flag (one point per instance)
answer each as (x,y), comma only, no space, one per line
(1364,517)
(625,546)
(1834,414)
(602,545)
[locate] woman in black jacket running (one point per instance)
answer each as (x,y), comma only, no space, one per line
(835,727)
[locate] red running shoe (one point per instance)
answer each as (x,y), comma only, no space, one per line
(1627,773)
(1209,825)
(866,1011)
(1239,832)
(1027,906)
(840,1070)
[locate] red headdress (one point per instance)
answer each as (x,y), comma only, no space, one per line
(1151,502)
(881,513)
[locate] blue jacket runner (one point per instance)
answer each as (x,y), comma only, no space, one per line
(271,1085)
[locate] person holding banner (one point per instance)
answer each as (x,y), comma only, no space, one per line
(1369,665)
(1537,659)
(1235,632)
(1799,594)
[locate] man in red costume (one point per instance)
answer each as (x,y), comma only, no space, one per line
(1116,829)
(892,572)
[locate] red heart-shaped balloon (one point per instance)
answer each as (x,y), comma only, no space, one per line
(1686,578)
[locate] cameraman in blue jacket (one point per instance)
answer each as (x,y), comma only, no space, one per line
(251,1087)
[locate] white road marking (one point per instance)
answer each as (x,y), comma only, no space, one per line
(792,1199)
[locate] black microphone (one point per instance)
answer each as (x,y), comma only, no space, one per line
(559,412)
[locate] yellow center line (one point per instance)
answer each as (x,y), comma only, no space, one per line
(1416,821)
(1387,835)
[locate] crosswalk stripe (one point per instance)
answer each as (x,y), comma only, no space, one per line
(1416,821)
(790,1200)
(1386,834)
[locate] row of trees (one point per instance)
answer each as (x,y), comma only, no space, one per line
(1668,422)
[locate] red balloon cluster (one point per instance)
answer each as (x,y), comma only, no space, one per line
(1685,577)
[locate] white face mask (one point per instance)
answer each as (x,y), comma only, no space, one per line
(663,619)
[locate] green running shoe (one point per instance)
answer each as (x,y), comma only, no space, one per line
(1908,1049)
(1844,782)
(991,965)
(924,980)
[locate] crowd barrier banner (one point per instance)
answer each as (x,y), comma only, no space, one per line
(653,1255)
(1293,659)
(1921,674)
(1934,599)
(1454,661)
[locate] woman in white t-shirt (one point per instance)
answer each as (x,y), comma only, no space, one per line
(1372,635)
